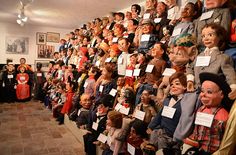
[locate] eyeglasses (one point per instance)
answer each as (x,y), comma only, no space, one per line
(209,91)
(211,34)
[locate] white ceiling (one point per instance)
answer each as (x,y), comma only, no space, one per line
(61,13)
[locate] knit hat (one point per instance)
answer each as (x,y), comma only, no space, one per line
(186,40)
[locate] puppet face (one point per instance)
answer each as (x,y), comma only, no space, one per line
(123,45)
(188,11)
(179,56)
(210,4)
(120,81)
(176,88)
(161,8)
(165,31)
(86,102)
(102,109)
(145,97)
(150,4)
(209,37)
(22,69)
(157,51)
(211,95)
(147,28)
(133,59)
(10,67)
(170,3)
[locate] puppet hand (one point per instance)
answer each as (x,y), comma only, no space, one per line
(149,131)
(190,86)
(232,94)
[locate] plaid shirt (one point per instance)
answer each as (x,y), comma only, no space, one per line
(209,138)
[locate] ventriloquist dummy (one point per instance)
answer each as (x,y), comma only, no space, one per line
(212,60)
(215,13)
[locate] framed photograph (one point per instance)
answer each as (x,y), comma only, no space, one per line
(53,37)
(17,45)
(46,51)
(40,38)
(45,64)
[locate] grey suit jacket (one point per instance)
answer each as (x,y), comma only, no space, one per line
(220,16)
(219,63)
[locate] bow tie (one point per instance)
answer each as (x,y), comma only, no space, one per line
(173,96)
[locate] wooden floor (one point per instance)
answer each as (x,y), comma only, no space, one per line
(29,129)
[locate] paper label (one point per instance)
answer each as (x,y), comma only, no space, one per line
(114,40)
(203,60)
(113,92)
(168,71)
(108,60)
(102,138)
(39,74)
(171,13)
(136,72)
(22,78)
(126,36)
(124,110)
(139,115)
(97,63)
(85,84)
(157,20)
(79,80)
(120,60)
(176,31)
(10,76)
(101,88)
(168,112)
(204,119)
(131,149)
(149,68)
(206,15)
(129,73)
(118,106)
(145,37)
(95,126)
(146,16)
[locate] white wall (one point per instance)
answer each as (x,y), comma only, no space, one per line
(10,29)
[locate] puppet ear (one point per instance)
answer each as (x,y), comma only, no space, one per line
(192,52)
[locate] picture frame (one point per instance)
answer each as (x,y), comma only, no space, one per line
(40,38)
(45,64)
(53,37)
(45,51)
(17,45)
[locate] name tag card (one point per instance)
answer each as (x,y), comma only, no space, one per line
(176,32)
(102,138)
(206,15)
(10,76)
(171,13)
(129,73)
(114,40)
(126,36)
(39,74)
(149,68)
(131,149)
(113,92)
(118,106)
(124,110)
(145,37)
(136,72)
(97,63)
(108,60)
(101,88)
(168,71)
(120,60)
(95,126)
(85,84)
(146,16)
(109,140)
(139,115)
(22,78)
(203,60)
(157,20)
(168,112)
(204,119)
(79,80)
(163,41)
